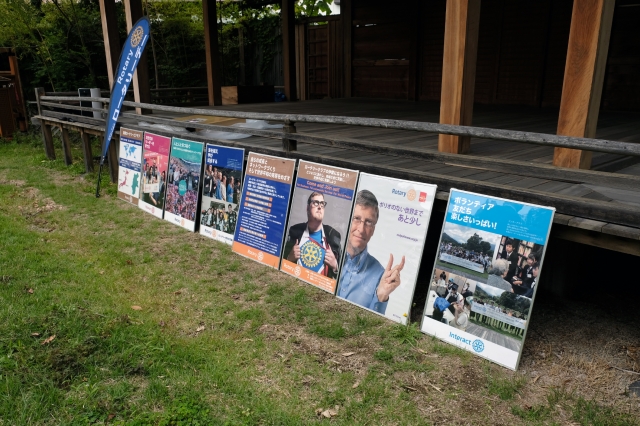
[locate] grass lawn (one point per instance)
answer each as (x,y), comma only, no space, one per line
(109,315)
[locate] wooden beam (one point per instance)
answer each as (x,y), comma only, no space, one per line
(416,48)
(212,52)
(301,61)
(86,151)
(583,77)
(458,71)
(141,90)
(66,146)
(346,12)
(289,48)
(110,36)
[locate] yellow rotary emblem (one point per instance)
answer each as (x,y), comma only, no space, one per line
(411,195)
(311,255)
(137,35)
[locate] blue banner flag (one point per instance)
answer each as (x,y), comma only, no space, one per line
(129,58)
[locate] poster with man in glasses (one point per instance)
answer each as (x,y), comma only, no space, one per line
(384,245)
(318,221)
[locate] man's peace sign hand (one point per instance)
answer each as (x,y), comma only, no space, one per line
(390,279)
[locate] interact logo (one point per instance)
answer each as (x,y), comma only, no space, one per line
(477,345)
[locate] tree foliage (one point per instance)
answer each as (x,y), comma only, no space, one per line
(60,46)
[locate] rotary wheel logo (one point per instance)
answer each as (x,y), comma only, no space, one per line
(411,195)
(311,255)
(214,233)
(137,35)
(182,222)
(297,271)
(477,345)
(260,255)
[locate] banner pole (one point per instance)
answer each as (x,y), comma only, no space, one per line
(99,178)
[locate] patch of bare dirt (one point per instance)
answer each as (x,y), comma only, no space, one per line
(584,349)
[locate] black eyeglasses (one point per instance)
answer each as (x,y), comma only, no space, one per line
(316,203)
(356,220)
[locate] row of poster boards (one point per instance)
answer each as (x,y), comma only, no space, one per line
(356,235)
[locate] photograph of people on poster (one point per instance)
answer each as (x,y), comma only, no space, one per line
(155,158)
(221,182)
(453,292)
(318,220)
(130,157)
(384,244)
(484,280)
(185,166)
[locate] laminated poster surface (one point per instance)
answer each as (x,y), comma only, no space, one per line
(485,276)
(318,223)
(221,191)
(185,168)
(129,161)
(155,163)
(263,208)
(384,244)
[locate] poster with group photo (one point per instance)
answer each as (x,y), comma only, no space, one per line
(155,163)
(318,223)
(263,208)
(185,167)
(221,190)
(384,244)
(484,279)
(129,160)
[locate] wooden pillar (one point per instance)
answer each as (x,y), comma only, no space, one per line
(86,152)
(66,146)
(301,61)
(47,137)
(346,15)
(289,48)
(459,71)
(110,35)
(583,77)
(141,91)
(415,49)
(112,158)
(212,52)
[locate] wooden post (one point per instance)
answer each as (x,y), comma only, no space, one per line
(112,155)
(583,77)
(301,61)
(212,52)
(47,137)
(416,49)
(346,15)
(141,90)
(66,146)
(289,48)
(110,36)
(86,152)
(458,71)
(289,145)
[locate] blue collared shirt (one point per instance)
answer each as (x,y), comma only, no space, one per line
(359,281)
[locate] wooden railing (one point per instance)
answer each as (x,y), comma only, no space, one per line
(581,207)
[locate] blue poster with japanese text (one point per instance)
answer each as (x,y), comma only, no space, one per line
(486,273)
(263,208)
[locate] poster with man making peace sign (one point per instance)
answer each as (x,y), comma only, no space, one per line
(384,244)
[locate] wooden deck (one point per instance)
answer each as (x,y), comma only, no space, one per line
(611,126)
(599,207)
